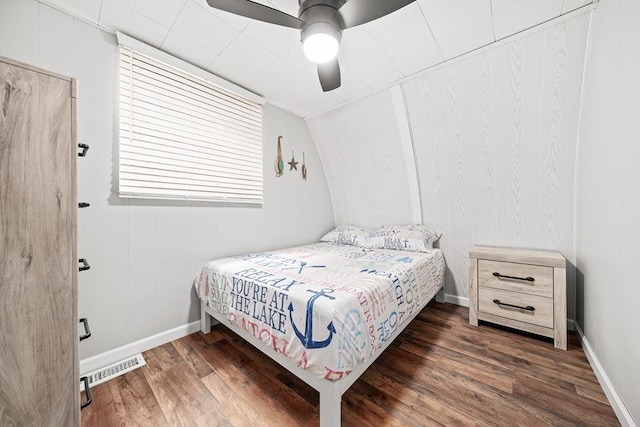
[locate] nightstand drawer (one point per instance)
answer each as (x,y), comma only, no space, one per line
(500,303)
(527,278)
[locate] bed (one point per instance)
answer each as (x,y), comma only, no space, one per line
(323,311)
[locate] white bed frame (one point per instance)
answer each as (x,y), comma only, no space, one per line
(330,391)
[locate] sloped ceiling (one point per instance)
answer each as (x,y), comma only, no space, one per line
(268,59)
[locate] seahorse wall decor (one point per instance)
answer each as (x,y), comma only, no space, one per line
(279,164)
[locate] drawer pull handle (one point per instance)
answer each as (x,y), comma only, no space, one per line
(87,331)
(528,308)
(85,265)
(85,148)
(502,276)
(87,393)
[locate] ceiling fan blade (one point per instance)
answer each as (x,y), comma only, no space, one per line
(329,74)
(356,12)
(253,10)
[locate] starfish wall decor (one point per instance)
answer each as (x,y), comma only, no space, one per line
(293,164)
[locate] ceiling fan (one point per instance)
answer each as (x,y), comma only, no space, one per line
(320,22)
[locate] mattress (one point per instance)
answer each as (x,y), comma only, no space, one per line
(326,306)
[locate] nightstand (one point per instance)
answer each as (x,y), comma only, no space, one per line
(521,289)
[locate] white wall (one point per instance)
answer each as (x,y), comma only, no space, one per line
(361,146)
(494,139)
(144,254)
(608,199)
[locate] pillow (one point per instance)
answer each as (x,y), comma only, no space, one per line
(346,235)
(415,237)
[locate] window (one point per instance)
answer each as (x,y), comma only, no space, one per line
(183,136)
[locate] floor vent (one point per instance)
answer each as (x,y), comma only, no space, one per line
(115,369)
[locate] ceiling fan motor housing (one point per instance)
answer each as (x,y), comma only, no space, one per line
(320,16)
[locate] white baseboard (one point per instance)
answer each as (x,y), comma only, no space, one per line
(614,398)
(455,299)
(117,354)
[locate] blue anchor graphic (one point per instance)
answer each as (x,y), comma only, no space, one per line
(307,337)
(304,264)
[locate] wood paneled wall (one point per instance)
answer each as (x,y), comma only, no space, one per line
(608,204)
(364,163)
(494,141)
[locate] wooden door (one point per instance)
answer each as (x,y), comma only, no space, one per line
(39,383)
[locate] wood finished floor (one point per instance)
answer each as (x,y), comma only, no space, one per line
(439,371)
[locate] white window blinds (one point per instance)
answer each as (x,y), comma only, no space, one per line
(182,137)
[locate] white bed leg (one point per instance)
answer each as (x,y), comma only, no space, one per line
(440,295)
(330,404)
(205,320)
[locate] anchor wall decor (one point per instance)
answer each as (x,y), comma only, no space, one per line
(307,337)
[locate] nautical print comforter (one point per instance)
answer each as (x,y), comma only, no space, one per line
(326,306)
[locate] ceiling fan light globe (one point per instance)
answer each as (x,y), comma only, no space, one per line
(320,47)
